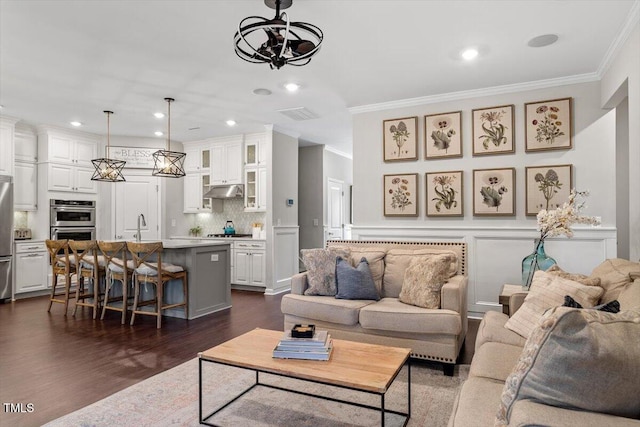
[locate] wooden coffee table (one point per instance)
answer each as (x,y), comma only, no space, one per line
(356,366)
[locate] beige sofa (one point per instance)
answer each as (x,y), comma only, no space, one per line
(497,362)
(432,334)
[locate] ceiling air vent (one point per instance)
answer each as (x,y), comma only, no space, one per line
(298,114)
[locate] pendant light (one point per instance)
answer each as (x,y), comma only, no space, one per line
(168,163)
(108,170)
(292,43)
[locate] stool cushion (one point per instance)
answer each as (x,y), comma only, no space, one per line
(152,269)
(87,261)
(116,268)
(61,262)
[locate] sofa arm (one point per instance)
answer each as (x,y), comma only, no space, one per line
(454,294)
(515,301)
(299,283)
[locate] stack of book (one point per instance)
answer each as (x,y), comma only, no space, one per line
(318,347)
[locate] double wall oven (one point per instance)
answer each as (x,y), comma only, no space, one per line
(72,219)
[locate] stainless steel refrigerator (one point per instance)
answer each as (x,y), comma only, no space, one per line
(6,236)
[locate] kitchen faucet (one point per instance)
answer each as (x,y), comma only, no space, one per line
(144,223)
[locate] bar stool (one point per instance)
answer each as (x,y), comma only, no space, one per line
(61,265)
(146,271)
(91,267)
(118,269)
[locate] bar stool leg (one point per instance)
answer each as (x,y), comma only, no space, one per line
(53,290)
(67,290)
(125,299)
(159,299)
(136,294)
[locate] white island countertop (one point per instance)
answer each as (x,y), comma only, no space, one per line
(216,239)
(190,243)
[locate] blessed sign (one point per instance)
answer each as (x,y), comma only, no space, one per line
(136,157)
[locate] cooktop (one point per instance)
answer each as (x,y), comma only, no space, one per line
(228,235)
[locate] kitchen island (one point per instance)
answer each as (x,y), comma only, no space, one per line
(208,266)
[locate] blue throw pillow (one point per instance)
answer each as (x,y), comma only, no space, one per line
(355,283)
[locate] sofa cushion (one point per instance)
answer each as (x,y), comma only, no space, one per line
(495,360)
(547,291)
(355,283)
(615,274)
(530,413)
(576,277)
(609,307)
(579,359)
(492,329)
(423,280)
(476,403)
(629,297)
(323,308)
(389,314)
(397,261)
(321,269)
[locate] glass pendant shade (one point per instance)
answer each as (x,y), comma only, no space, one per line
(538,260)
(106,169)
(167,163)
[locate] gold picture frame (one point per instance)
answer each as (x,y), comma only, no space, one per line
(493,130)
(444,193)
(548,125)
(494,192)
(400,139)
(400,194)
(547,187)
(443,135)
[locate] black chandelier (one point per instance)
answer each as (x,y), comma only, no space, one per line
(287,42)
(106,169)
(168,163)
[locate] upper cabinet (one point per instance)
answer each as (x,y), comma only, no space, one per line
(65,149)
(226,164)
(198,158)
(255,151)
(26,145)
(7,131)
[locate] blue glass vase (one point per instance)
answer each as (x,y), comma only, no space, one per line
(538,260)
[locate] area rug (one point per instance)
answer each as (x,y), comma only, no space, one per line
(171,399)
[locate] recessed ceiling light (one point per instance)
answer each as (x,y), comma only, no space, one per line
(76,124)
(292,87)
(158,115)
(543,40)
(158,133)
(469,54)
(262,91)
(231,122)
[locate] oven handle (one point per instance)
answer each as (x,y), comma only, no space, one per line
(61,209)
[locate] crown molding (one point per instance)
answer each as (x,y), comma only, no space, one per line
(338,152)
(476,93)
(632,21)
(67,131)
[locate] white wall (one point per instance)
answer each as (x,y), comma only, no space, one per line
(496,245)
(310,193)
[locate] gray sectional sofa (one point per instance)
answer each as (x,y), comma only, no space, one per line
(432,334)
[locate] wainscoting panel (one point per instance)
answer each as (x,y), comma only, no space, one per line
(285,260)
(495,254)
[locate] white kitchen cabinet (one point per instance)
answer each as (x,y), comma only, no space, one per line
(31,265)
(71,150)
(249,267)
(26,145)
(255,195)
(226,163)
(7,130)
(68,178)
(25,187)
(195,185)
(198,158)
(255,151)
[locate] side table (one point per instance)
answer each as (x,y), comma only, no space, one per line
(506,292)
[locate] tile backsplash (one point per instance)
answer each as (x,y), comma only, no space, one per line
(20,219)
(233,210)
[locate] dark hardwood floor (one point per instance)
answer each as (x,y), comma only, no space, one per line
(62,363)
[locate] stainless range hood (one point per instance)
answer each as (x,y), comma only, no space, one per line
(230,191)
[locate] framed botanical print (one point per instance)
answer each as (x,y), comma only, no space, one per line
(443,135)
(547,187)
(400,139)
(493,130)
(401,195)
(444,193)
(494,192)
(548,125)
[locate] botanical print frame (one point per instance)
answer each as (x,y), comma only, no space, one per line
(400,139)
(494,192)
(547,187)
(548,125)
(443,135)
(493,130)
(401,194)
(444,193)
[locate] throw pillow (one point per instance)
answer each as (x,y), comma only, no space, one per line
(615,274)
(609,307)
(355,283)
(629,298)
(579,359)
(397,261)
(548,291)
(423,280)
(321,269)
(580,278)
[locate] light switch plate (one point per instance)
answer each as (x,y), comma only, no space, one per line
(214,257)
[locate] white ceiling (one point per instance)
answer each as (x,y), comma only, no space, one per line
(70,60)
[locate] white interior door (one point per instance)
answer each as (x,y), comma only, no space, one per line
(137,195)
(335,209)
